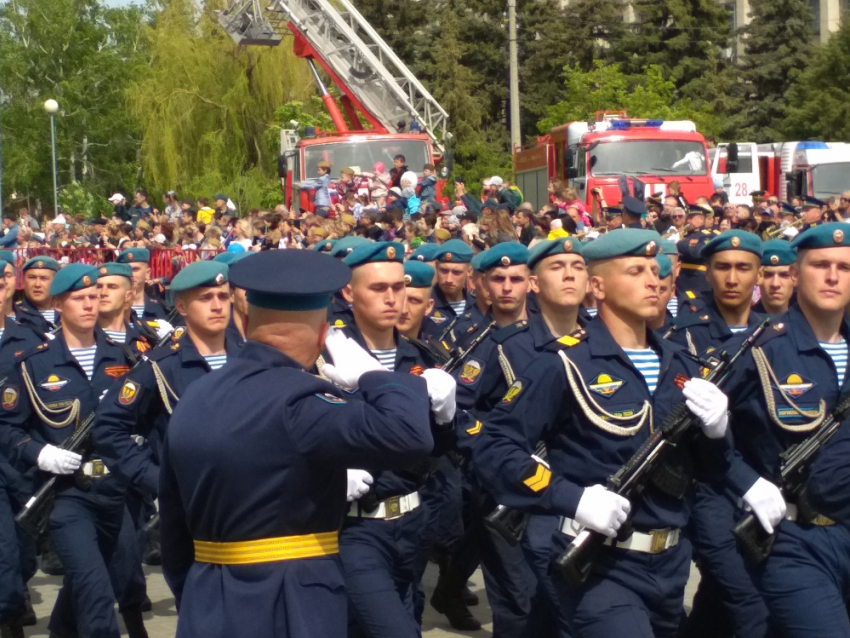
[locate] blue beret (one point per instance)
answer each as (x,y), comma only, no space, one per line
(134,254)
(733,240)
(777,252)
(504,254)
(73,277)
(200,274)
(455,251)
(318,277)
(549,247)
(231,257)
(623,242)
(345,246)
(667,247)
(7,256)
(47,263)
(418,274)
(665,265)
(113,269)
(324,246)
(633,205)
(372,252)
(823,236)
(426,252)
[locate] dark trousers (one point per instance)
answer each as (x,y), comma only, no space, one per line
(537,547)
(84,527)
(17,550)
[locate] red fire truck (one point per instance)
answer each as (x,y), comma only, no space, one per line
(586,155)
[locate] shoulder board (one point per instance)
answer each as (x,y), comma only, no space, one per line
(707,232)
(567,341)
(773,330)
(692,319)
(165,350)
(20,356)
(690,294)
(503,334)
(338,323)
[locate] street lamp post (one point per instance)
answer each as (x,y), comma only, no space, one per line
(51,107)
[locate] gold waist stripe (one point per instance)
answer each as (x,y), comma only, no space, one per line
(267,550)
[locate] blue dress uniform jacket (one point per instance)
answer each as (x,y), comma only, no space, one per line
(699,326)
(442,314)
(692,273)
(258,450)
(830,476)
(806,579)
(26,313)
(155,307)
(137,407)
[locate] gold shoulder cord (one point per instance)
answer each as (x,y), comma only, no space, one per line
(42,410)
(507,369)
(585,400)
(766,376)
(691,347)
(165,391)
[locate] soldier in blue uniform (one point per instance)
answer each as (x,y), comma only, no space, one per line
(115,290)
(663,323)
(691,281)
(450,299)
(727,600)
(257,494)
(340,310)
(50,391)
(324,246)
(387,528)
(829,478)
(238,299)
(148,297)
(418,279)
(477,312)
(779,395)
(35,309)
(811,212)
(777,285)
(593,402)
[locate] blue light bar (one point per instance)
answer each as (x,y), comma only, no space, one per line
(620,125)
(414,127)
(812,146)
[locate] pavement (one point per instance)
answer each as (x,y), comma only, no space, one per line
(161,622)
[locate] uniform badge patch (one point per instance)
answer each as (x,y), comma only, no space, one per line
(129,392)
(417,370)
(470,372)
(10,397)
(796,386)
(54,383)
(438,317)
(331,398)
(513,392)
(178,332)
(117,371)
(605,385)
(693,242)
(339,323)
(142,346)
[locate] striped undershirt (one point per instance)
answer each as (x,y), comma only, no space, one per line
(215,361)
(85,357)
(50,315)
(838,353)
(458,307)
(386,358)
(118,336)
(591,310)
(647,363)
(736,329)
(673,307)
(139,310)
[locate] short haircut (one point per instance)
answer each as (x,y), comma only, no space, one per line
(429,167)
(400,158)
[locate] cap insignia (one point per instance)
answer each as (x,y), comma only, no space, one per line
(39,264)
(390,253)
(568,246)
(86,281)
(407,280)
(650,248)
(103,270)
(506,261)
(129,256)
(219,279)
(838,236)
(420,258)
(774,259)
(448,257)
(735,241)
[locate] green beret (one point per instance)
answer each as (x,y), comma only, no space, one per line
(73,277)
(373,252)
(665,265)
(347,245)
(200,274)
(418,274)
(426,252)
(324,246)
(47,263)
(134,254)
(667,247)
(777,252)
(114,269)
(823,236)
(454,251)
(229,257)
(549,247)
(7,256)
(504,254)
(623,242)
(733,240)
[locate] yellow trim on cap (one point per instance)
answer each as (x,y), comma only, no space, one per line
(267,550)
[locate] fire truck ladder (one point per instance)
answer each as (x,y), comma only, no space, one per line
(367,68)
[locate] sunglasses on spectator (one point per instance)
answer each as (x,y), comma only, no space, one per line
(678,216)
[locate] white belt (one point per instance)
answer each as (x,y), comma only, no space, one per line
(654,542)
(95,469)
(388,509)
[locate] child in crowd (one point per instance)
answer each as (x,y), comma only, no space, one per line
(399,169)
(379,184)
(321,184)
(428,185)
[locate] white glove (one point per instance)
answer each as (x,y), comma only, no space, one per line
(441,390)
(709,405)
(766,501)
(163,328)
(58,461)
(358,484)
(602,511)
(350,361)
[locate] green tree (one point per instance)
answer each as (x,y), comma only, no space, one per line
(819,101)
(778,47)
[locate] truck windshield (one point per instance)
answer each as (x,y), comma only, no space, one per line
(361,155)
(830,179)
(647,157)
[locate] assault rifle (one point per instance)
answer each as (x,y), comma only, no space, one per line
(753,539)
(576,562)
